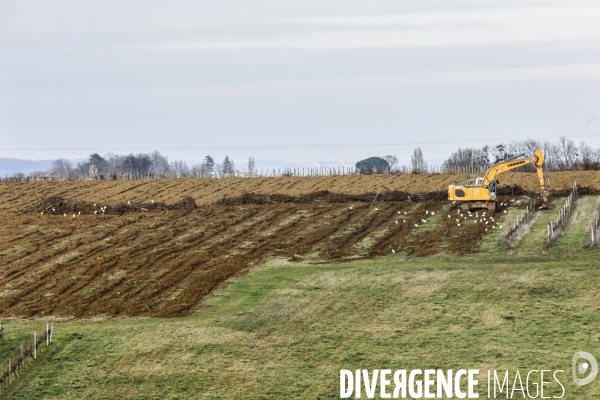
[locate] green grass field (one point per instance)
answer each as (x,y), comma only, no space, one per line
(284,330)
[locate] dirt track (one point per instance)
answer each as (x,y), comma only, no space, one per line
(162,261)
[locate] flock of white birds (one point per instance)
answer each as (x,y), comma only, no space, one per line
(463,218)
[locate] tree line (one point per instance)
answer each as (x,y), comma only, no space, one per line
(561,155)
(153,165)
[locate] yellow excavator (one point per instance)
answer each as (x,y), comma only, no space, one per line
(482,194)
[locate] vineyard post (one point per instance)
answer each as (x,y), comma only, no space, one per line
(47,336)
(34,344)
(51,331)
(9,372)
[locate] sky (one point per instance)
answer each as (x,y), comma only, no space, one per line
(296,81)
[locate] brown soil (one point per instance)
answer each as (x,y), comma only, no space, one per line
(160,247)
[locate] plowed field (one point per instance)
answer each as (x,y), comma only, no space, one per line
(152,253)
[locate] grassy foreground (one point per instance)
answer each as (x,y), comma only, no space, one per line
(285,329)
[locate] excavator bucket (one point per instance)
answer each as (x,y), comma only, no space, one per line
(545,203)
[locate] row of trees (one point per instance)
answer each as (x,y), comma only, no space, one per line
(153,165)
(561,155)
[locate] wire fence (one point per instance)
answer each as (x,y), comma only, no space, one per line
(239,174)
(564,212)
(23,356)
(515,228)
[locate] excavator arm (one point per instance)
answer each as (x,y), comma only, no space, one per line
(507,165)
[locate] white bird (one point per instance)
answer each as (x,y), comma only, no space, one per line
(483,214)
(433,213)
(456,219)
(376,209)
(404,212)
(416,226)
(396,221)
(42,213)
(423,220)
(53,210)
(458,224)
(65,215)
(493,227)
(475,221)
(448,216)
(393,251)
(504,211)
(404,221)
(94,204)
(151,201)
(129,202)
(399,212)
(486,229)
(486,222)
(73,215)
(96,212)
(426,211)
(350,208)
(453,202)
(79,213)
(500,226)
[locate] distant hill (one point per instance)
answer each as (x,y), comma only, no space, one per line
(10,166)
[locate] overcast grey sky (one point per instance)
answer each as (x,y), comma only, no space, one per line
(185,77)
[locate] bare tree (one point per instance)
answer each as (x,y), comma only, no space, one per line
(468,159)
(567,151)
(251,166)
(417,161)
(498,151)
(392,160)
(551,154)
(159,165)
(179,168)
(61,167)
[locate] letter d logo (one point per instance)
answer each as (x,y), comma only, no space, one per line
(582,367)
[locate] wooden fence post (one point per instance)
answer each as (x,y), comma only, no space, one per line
(34,344)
